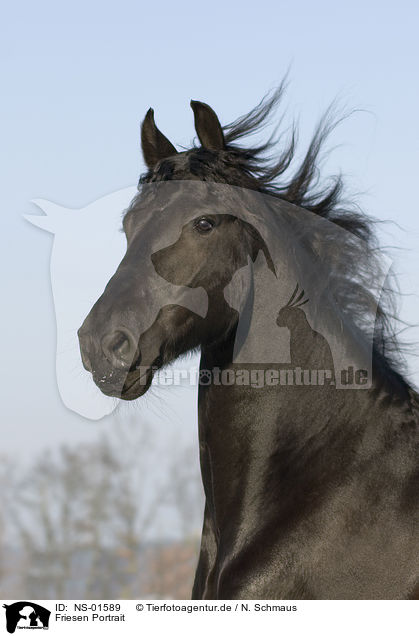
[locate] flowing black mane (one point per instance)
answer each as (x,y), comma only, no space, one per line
(257,168)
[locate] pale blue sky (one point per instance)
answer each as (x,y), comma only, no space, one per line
(77,79)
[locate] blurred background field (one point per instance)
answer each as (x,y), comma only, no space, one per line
(117,517)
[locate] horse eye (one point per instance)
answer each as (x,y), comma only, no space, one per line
(204,225)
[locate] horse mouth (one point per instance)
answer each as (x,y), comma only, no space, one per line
(133,385)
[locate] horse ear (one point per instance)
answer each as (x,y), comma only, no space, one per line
(207,126)
(154,144)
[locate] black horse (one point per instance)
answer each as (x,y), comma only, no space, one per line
(311,492)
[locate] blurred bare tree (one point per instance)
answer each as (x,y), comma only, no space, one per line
(10,559)
(116,518)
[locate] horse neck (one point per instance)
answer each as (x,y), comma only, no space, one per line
(294,440)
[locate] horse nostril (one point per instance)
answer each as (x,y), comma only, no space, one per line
(119,348)
(120,345)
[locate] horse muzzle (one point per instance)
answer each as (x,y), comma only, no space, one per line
(116,363)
